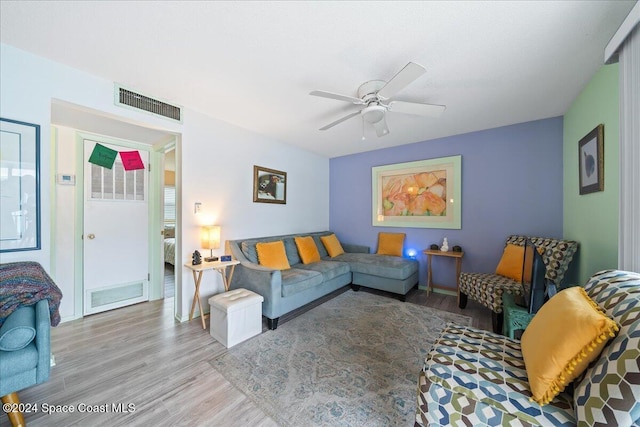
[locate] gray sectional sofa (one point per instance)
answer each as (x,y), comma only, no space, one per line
(286,290)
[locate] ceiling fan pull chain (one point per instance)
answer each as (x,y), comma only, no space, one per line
(363,128)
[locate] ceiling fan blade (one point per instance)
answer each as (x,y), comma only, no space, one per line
(330,125)
(339,97)
(428,110)
(406,76)
(381,127)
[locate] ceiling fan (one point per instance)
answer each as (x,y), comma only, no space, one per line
(375,95)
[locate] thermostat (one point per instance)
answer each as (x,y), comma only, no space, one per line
(66,179)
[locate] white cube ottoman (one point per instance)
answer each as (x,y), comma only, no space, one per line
(235,316)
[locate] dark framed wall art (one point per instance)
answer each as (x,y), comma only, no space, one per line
(19,186)
(269,185)
(591,161)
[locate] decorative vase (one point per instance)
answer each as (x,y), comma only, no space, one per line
(445,245)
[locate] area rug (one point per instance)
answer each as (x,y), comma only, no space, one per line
(351,361)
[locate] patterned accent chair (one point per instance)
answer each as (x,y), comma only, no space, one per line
(487,288)
(476,377)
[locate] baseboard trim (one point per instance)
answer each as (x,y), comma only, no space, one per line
(65,319)
(444,292)
(185,317)
(440,290)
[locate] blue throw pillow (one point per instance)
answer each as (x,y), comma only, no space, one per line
(248,248)
(18,330)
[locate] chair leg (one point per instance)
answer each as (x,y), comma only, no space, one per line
(496,322)
(16,418)
(463,300)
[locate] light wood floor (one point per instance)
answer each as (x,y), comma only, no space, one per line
(139,355)
(169,280)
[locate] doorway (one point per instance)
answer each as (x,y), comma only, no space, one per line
(71,124)
(116,270)
(169,234)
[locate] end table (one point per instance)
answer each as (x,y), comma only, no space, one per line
(458,257)
(197,270)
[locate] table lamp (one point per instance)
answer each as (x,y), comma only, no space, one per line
(210,239)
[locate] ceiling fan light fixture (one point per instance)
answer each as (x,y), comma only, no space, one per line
(376,98)
(373,113)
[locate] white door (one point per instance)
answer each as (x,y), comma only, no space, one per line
(115,235)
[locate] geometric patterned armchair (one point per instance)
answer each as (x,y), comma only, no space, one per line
(475,377)
(488,288)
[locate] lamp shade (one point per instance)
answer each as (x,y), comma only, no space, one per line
(210,237)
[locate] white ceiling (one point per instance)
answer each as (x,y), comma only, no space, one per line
(253,64)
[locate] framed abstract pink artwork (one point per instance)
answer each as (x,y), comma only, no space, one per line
(425,193)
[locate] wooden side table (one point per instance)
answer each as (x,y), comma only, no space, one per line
(458,257)
(198,270)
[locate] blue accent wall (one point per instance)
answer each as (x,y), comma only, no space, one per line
(511,184)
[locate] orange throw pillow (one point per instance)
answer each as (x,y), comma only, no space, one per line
(272,255)
(332,245)
(510,264)
(390,243)
(307,249)
(566,334)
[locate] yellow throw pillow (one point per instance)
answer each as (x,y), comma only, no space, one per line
(390,243)
(307,249)
(510,264)
(272,255)
(566,334)
(332,245)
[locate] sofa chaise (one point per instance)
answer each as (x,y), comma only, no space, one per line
(476,377)
(288,289)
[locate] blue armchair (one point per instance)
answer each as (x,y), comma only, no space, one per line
(25,348)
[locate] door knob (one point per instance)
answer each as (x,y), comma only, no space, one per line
(91,236)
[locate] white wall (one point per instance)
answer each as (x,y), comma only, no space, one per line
(21,82)
(215,167)
(64,198)
(217,170)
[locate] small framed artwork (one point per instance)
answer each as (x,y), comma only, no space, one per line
(591,161)
(425,193)
(269,185)
(19,186)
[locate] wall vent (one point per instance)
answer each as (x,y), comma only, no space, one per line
(110,297)
(129,98)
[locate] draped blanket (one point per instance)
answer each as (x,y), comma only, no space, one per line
(26,283)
